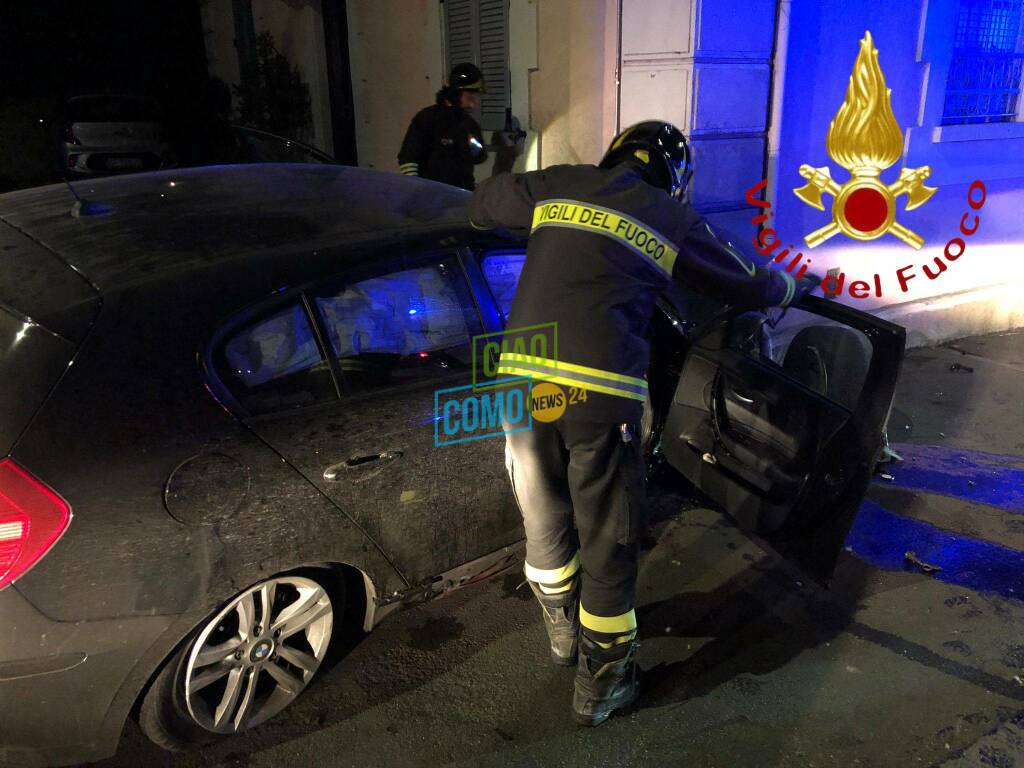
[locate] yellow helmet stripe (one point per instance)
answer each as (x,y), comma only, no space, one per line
(621,138)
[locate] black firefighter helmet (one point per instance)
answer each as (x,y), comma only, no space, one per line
(661,148)
(466,77)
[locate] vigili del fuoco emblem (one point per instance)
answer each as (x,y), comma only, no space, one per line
(865,139)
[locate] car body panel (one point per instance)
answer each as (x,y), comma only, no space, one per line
(147,547)
(46,309)
(387,473)
(192,218)
(32,363)
(406,505)
(71,672)
(152,562)
(41,287)
(132,579)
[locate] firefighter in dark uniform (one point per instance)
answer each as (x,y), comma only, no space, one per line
(605,241)
(443,141)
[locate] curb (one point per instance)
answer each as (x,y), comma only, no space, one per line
(938,319)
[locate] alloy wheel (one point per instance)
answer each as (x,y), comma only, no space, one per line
(258,654)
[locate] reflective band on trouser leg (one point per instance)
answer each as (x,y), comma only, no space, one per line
(572,375)
(561,589)
(617,641)
(645,242)
(622,624)
(410,169)
(557,579)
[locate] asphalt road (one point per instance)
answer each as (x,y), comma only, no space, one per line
(743,665)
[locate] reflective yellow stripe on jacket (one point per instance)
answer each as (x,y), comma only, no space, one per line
(642,240)
(571,375)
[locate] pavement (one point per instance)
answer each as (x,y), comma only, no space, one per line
(910,659)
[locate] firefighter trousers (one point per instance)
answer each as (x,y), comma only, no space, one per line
(580,487)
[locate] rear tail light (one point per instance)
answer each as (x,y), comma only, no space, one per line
(32,518)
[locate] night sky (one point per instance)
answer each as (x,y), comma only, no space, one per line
(51,50)
(53,47)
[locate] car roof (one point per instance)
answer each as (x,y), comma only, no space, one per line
(153,223)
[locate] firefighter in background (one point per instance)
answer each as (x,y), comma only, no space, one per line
(443,141)
(605,241)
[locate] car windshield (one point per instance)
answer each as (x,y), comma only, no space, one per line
(112,109)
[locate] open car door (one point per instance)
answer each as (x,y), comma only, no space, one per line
(783,426)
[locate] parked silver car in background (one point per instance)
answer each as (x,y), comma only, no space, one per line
(103,134)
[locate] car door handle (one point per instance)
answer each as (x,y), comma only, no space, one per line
(376,460)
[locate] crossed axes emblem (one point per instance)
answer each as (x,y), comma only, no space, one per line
(865,138)
(864,208)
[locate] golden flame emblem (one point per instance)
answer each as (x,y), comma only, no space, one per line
(865,139)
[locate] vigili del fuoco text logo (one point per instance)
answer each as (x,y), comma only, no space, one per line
(865,139)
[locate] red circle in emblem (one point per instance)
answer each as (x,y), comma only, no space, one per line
(866,209)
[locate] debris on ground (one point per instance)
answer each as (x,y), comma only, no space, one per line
(913,559)
(961,367)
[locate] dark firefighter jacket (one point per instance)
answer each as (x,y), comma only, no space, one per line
(604,244)
(437,146)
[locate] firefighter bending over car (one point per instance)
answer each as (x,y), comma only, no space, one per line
(443,141)
(605,241)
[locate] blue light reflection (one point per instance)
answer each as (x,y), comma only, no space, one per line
(982,478)
(883,538)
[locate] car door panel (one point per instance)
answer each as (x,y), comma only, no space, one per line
(429,508)
(371,450)
(771,443)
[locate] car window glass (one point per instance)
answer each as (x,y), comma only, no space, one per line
(501,270)
(273,363)
(826,357)
(401,327)
(265,149)
(113,109)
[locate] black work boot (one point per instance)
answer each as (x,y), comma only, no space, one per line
(562,621)
(605,680)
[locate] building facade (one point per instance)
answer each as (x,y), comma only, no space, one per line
(755,84)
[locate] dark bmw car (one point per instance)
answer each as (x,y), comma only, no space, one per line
(217,430)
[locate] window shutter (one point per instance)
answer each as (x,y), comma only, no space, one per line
(477,32)
(460,28)
(494,61)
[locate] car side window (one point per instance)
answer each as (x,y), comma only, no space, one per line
(271,362)
(401,327)
(501,269)
(272,149)
(826,357)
